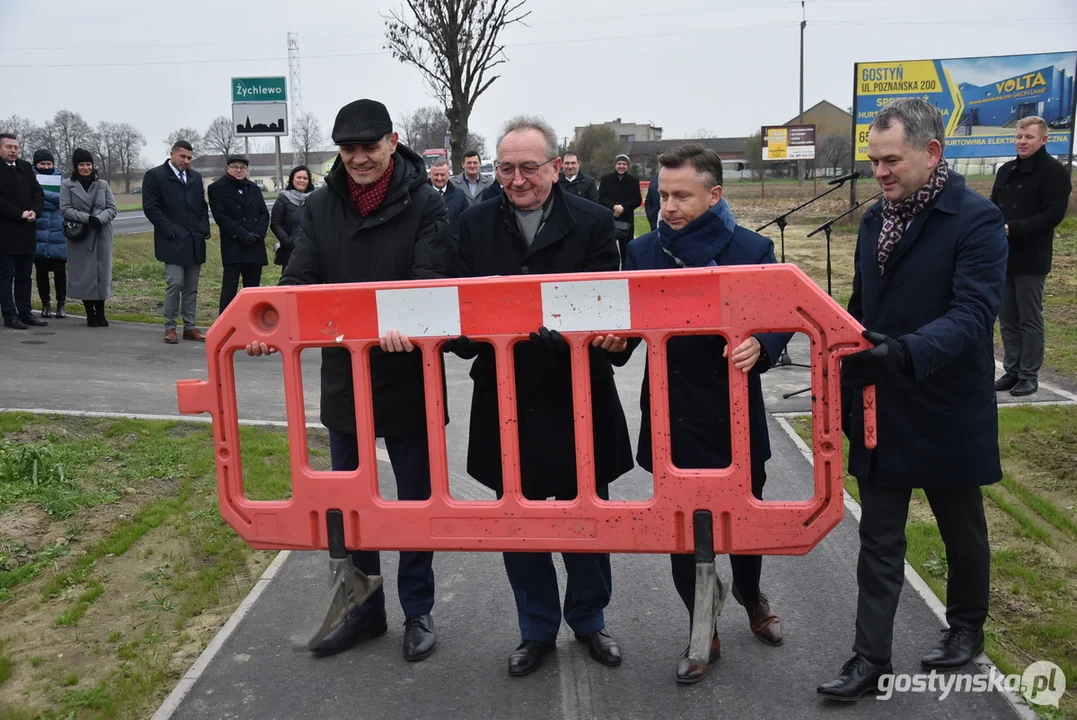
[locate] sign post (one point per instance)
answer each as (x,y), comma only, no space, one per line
(259,109)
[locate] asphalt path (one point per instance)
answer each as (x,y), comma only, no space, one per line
(134,221)
(256,674)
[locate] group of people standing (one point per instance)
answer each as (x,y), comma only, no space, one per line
(65,234)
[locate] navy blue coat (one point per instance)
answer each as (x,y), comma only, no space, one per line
(698,374)
(938,425)
(51,243)
(652,204)
(238,214)
(179,215)
(456,203)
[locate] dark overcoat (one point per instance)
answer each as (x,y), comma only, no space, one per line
(576,237)
(179,215)
(938,423)
(239,209)
(19,192)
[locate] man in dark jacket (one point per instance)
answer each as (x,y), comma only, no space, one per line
(928,280)
(535,227)
(575,181)
(619,191)
(242,220)
(1032,192)
(455,198)
(693,234)
(51,255)
(21,201)
(173,199)
(376,219)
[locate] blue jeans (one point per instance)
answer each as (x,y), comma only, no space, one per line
(15,270)
(534,586)
(410,458)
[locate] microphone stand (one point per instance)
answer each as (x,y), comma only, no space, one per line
(826,229)
(781,221)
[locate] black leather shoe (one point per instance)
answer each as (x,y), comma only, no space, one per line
(602,647)
(350,631)
(956,649)
(14,323)
(1024,387)
(419,637)
(858,677)
(1004,383)
(32,319)
(528,657)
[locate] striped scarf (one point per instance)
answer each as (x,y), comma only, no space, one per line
(896,216)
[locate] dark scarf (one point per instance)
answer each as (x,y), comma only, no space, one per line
(697,243)
(367,198)
(896,216)
(86,181)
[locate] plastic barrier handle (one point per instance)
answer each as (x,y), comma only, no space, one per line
(871,437)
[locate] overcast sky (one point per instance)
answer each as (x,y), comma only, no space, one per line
(726,66)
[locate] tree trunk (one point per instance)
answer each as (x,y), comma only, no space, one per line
(458,134)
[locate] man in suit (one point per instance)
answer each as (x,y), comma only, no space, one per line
(575,181)
(21,201)
(930,269)
(535,227)
(619,191)
(174,202)
(697,232)
(471,182)
(455,200)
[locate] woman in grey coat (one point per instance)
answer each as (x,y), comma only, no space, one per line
(87,200)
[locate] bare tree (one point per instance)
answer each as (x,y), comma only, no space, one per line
(701,134)
(306,137)
(105,150)
(753,154)
(454,44)
(427,127)
(220,137)
(69,131)
(834,152)
(27,133)
(185,133)
(129,144)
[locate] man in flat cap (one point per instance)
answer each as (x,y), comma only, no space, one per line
(376,219)
(619,191)
(241,215)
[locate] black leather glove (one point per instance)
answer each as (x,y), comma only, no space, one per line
(868,367)
(251,239)
(462,347)
(549,340)
(95,222)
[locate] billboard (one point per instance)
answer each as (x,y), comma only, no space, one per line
(981,99)
(788,142)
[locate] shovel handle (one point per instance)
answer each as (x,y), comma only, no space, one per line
(703,532)
(334,525)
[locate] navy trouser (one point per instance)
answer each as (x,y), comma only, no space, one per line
(410,459)
(534,586)
(15,273)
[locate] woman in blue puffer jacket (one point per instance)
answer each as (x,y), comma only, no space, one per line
(51,253)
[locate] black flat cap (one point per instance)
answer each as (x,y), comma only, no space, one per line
(237,157)
(362,122)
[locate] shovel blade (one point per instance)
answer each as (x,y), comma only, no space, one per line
(709,601)
(348,588)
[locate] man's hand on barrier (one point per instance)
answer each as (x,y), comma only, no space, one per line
(549,340)
(746,355)
(868,367)
(610,343)
(462,347)
(395,341)
(258,349)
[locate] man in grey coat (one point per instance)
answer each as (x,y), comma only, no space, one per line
(174,200)
(471,181)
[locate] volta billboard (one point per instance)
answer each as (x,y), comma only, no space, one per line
(981,99)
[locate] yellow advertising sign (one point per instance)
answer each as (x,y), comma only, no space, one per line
(777,147)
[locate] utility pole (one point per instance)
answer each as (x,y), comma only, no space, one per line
(800,118)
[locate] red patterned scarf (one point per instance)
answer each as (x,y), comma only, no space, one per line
(896,216)
(367,198)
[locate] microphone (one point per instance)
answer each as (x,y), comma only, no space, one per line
(839,180)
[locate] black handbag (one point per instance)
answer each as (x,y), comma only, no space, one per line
(74,230)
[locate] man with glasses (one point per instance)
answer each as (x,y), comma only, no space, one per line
(243,219)
(174,202)
(536,227)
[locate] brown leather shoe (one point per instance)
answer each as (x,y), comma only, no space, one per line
(194,334)
(765,623)
(692,672)
(170,336)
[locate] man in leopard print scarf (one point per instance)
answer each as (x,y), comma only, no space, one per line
(898,215)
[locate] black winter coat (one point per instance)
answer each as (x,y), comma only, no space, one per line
(621,190)
(582,186)
(239,211)
(284,220)
(938,424)
(406,238)
(19,192)
(179,215)
(1032,195)
(576,237)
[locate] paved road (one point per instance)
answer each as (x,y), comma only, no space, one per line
(134,221)
(257,674)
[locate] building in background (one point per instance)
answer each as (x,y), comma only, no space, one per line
(627,132)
